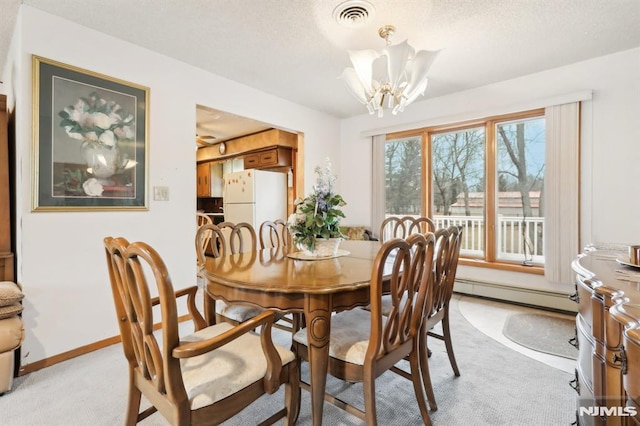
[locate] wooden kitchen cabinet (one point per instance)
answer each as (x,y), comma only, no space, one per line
(203,184)
(209,179)
(248,145)
(275,157)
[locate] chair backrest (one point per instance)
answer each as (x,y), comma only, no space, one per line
(204,239)
(132,269)
(274,234)
(209,239)
(406,266)
(446,264)
(240,237)
(402,227)
(202,219)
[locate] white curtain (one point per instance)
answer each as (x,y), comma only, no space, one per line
(378,206)
(561,191)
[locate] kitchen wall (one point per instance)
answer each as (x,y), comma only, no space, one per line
(61,261)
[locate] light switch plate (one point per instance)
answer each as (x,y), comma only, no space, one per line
(161,193)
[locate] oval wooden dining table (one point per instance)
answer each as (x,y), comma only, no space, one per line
(271,279)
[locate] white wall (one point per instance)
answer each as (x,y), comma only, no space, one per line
(610,150)
(61,263)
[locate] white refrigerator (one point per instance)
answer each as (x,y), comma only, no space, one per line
(254,196)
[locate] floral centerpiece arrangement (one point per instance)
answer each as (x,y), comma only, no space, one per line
(101,125)
(318,214)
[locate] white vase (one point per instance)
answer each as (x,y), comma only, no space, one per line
(324,247)
(102,161)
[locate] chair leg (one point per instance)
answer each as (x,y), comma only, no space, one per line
(416,379)
(424,368)
(133,405)
(446,332)
(292,394)
(369,387)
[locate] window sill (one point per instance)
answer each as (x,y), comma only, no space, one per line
(504,266)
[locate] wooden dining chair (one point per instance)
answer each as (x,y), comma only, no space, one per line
(202,219)
(402,227)
(437,311)
(203,378)
(445,262)
(209,239)
(273,234)
(209,242)
(241,237)
(364,344)
(229,238)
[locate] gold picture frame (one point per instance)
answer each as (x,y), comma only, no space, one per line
(90,140)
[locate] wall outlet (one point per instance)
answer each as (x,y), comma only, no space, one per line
(161,193)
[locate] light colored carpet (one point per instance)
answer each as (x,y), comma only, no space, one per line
(497,386)
(542,333)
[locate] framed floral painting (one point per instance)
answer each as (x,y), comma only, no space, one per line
(90,140)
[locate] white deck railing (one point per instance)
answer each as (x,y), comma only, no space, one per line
(510,239)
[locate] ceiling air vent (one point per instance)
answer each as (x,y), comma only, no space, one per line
(353,13)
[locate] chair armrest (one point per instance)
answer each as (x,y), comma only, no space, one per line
(265,319)
(198,320)
(191,349)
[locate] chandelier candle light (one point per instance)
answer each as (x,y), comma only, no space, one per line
(405,78)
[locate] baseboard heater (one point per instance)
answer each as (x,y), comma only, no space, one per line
(545,299)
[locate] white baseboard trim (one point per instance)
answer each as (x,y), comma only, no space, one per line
(528,296)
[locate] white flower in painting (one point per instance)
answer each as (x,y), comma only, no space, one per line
(102,120)
(74,135)
(91,136)
(93,187)
(107,138)
(125,132)
(98,120)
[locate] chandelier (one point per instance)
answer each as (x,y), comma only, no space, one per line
(404,80)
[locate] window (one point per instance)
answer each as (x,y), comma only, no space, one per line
(403,177)
(520,177)
(486,176)
(457,185)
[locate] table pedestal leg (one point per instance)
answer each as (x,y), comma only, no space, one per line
(318,316)
(209,307)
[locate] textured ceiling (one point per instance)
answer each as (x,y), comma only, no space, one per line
(295,50)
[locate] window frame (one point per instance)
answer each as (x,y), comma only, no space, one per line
(489,123)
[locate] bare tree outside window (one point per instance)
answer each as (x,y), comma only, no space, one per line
(520,168)
(403,176)
(457,164)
